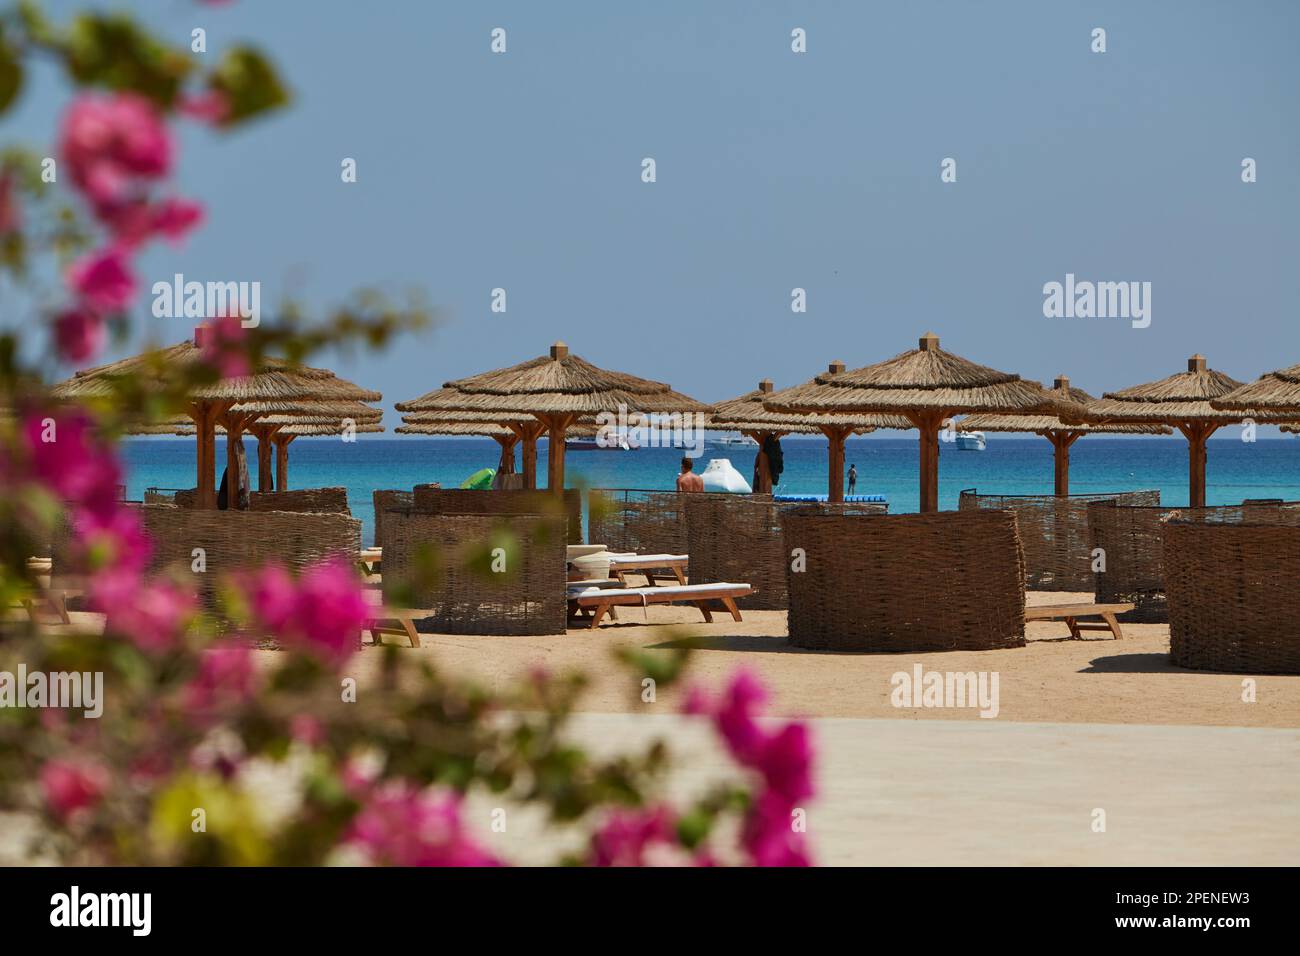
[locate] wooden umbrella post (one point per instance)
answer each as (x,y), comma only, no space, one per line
(234,424)
(282,441)
(528,433)
(1061,442)
(835,435)
(205,415)
(506,463)
(1196,434)
(556,425)
(928,424)
(265,453)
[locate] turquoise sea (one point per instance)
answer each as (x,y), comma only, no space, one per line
(1012,464)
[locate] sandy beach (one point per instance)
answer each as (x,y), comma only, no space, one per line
(1051,680)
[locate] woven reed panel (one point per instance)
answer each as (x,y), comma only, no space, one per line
(738,538)
(434,500)
(1230,590)
(234,540)
(644,521)
(954,580)
(389,501)
(1133,540)
(441,563)
(1054,533)
(330,501)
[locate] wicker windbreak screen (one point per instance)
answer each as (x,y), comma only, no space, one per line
(926,582)
(738,538)
(1054,533)
(1132,542)
(331,501)
(1230,589)
(328,501)
(393,500)
(449,565)
(430,499)
(237,540)
(641,520)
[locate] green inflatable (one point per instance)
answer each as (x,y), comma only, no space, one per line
(481,480)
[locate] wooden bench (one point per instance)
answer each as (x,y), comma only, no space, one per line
(602,601)
(1070,614)
(368,558)
(393,620)
(647,564)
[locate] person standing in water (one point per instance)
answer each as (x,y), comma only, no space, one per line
(853,478)
(688,480)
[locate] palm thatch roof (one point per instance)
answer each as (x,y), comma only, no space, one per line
(295,428)
(455,426)
(556,384)
(1276,391)
(924,379)
(1066,393)
(1186,397)
(273,380)
(747,413)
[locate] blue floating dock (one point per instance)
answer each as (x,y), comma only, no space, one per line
(860,499)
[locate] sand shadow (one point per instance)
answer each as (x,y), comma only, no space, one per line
(1132,664)
(740,643)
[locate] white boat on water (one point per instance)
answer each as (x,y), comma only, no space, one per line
(735,441)
(599,443)
(970,441)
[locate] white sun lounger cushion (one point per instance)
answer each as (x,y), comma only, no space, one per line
(679,592)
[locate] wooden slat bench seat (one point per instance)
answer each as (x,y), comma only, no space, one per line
(648,564)
(1070,614)
(600,601)
(393,620)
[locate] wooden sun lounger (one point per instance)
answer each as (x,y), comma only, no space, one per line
(1070,613)
(600,601)
(369,557)
(392,620)
(648,564)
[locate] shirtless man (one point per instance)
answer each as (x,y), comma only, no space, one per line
(688,480)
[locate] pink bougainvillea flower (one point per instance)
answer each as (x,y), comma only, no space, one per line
(110,142)
(174,218)
(322,612)
(226,677)
(70,787)
(210,106)
(402,826)
(331,610)
(78,334)
(222,344)
(103,279)
(782,759)
(768,834)
(627,836)
(136,221)
(65,455)
(153,615)
(11,219)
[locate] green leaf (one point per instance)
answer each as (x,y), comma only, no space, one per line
(11,76)
(249,83)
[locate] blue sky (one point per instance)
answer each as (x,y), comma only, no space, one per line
(775,170)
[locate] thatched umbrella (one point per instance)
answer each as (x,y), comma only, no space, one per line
(506,431)
(274,380)
(1061,435)
(1186,401)
(557,390)
(748,415)
(286,430)
(1276,392)
(927,386)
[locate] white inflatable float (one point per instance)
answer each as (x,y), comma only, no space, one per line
(721,476)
